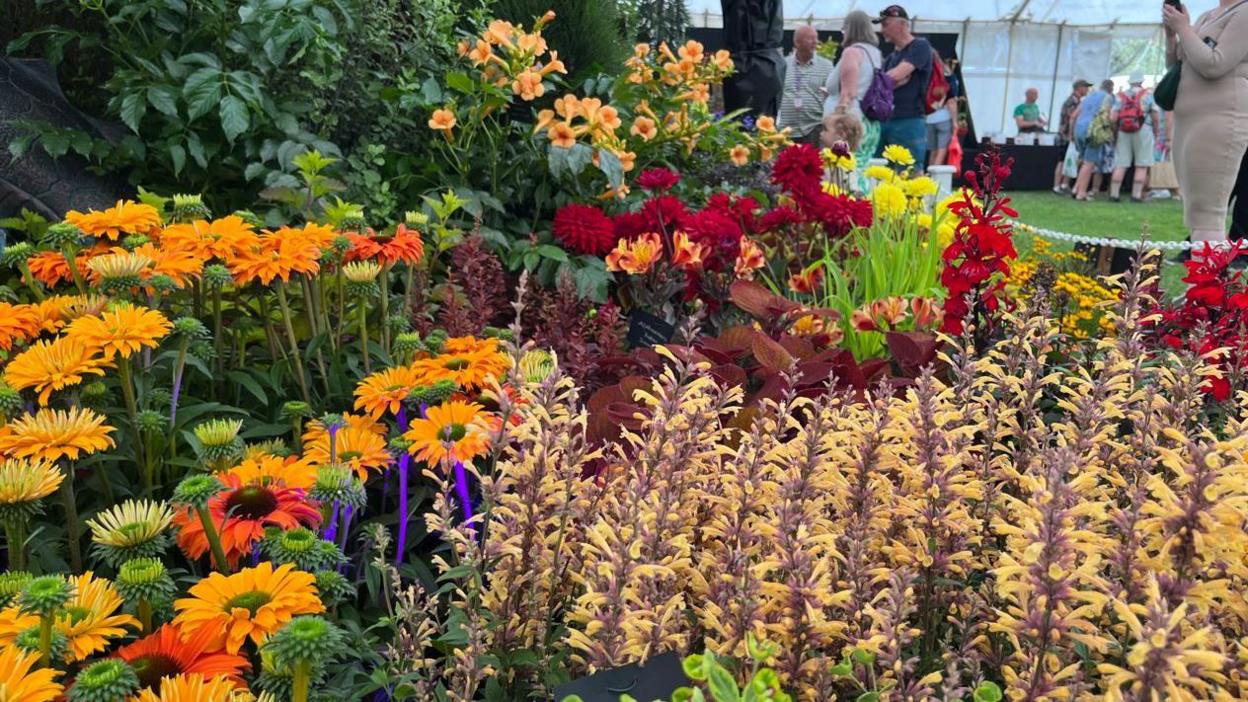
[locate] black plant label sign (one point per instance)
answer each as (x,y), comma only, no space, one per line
(656,680)
(646,330)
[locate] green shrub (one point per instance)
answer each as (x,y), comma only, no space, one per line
(588,34)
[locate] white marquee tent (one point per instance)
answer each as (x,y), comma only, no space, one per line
(1006,46)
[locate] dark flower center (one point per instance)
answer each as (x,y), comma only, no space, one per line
(77,614)
(348,455)
(453,432)
(250,601)
(152,667)
(251,502)
(455,364)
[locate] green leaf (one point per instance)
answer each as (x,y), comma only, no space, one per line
(694,666)
(557,160)
(177,154)
(611,167)
(460,82)
(841,670)
(55,143)
(164,99)
(250,384)
(552,252)
(721,684)
(579,156)
(202,91)
(431,91)
(133,107)
(872,696)
(235,117)
(196,149)
(987,692)
(862,656)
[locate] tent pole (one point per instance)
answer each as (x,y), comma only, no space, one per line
(1057,61)
(1009,68)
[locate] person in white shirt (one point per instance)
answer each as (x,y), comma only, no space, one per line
(801,107)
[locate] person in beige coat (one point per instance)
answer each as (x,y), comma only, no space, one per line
(1211,112)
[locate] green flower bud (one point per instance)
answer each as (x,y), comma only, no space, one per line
(190,326)
(28,641)
(188,208)
(296,408)
(11,584)
(218,440)
(62,235)
(134,241)
(196,490)
(302,547)
(435,340)
(104,681)
(333,588)
(162,283)
(249,217)
(45,594)
(307,638)
(159,398)
(498,333)
(537,365)
(337,484)
(152,422)
(16,254)
(10,399)
(217,275)
(435,394)
(145,579)
(398,323)
(203,350)
(94,394)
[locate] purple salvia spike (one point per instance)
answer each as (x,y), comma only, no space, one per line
(404,463)
(461,489)
(173,401)
(331,529)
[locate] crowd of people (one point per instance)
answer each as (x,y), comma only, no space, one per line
(823,101)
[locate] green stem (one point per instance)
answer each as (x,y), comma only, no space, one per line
(15,534)
(132,408)
(385,308)
(145,615)
(73,532)
(409,280)
(296,426)
(301,681)
(217,339)
(363,315)
(71,258)
(294,343)
(45,639)
(342,313)
(309,308)
(31,284)
(214,540)
(275,349)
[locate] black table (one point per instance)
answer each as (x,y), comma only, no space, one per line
(1033,165)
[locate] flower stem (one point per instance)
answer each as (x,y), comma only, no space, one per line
(132,409)
(145,615)
(73,531)
(45,639)
(294,343)
(363,315)
(178,369)
(214,540)
(14,533)
(31,284)
(301,681)
(71,258)
(385,308)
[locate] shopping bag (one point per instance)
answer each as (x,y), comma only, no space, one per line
(954,158)
(1163,177)
(1070,164)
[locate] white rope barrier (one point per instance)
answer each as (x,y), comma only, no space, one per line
(1116,243)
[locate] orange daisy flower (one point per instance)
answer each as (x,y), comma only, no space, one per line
(49,366)
(241,513)
(221,238)
(180,265)
(121,330)
(18,324)
(276,255)
(50,434)
(126,217)
(404,245)
(13,622)
(386,390)
(51,268)
(89,619)
(59,310)
(191,688)
(470,370)
(250,604)
(267,469)
(360,444)
(22,680)
(165,653)
(460,424)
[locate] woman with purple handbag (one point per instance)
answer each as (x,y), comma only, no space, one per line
(857,88)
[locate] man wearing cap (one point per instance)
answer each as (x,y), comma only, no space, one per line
(1138,121)
(1066,129)
(801,107)
(910,67)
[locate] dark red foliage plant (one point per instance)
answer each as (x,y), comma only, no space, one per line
(476,288)
(1212,315)
(977,260)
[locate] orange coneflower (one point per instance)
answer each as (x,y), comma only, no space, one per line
(275,255)
(191,687)
(50,435)
(470,370)
(252,603)
(22,680)
(119,266)
(166,653)
(267,469)
(322,235)
(461,424)
(13,621)
(180,265)
(18,324)
(241,513)
(126,217)
(221,238)
(360,444)
(386,390)
(49,366)
(59,310)
(121,330)
(51,268)
(89,619)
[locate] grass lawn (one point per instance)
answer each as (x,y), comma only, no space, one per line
(1102,218)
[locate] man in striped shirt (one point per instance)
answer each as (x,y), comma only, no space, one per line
(801,107)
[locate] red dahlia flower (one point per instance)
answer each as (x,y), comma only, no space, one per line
(584,229)
(658,180)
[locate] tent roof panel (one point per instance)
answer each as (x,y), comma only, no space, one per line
(1074,12)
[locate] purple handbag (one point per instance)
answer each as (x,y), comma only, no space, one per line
(877,102)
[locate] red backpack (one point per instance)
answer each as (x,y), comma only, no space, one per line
(1130,112)
(937,86)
